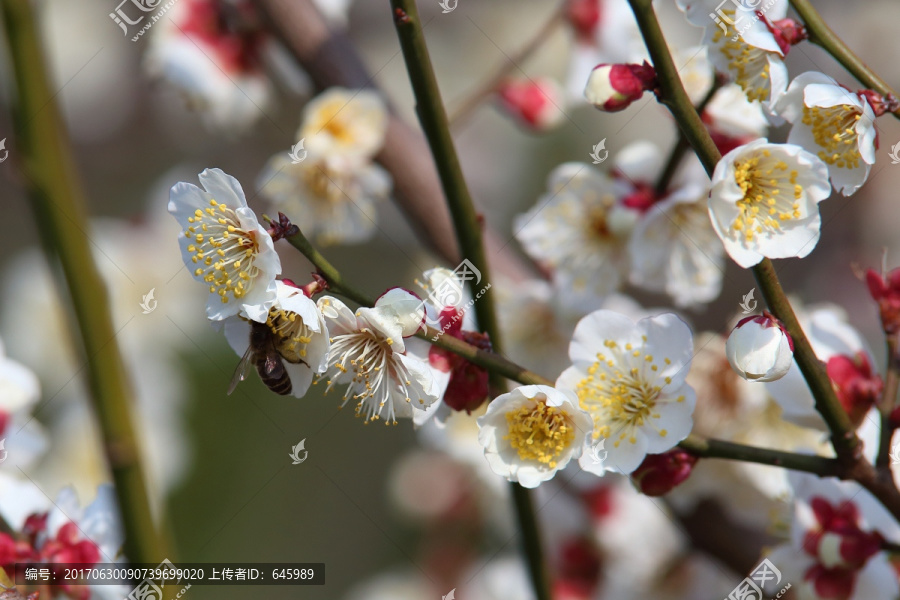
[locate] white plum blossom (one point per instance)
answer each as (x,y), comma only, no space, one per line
(532,432)
(759,349)
(742,46)
(218,69)
(344,124)
(368,355)
(331,200)
(630,377)
(833,123)
(225,247)
(674,249)
(579,230)
(730,113)
(764,201)
(299,332)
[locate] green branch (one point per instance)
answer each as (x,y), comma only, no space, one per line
(822,35)
(709,448)
(55,194)
(671,93)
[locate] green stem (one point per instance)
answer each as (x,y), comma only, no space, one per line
(56,198)
(671,93)
(531,540)
(887,403)
(822,35)
(710,448)
(430,108)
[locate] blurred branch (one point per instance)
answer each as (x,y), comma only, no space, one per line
(822,35)
(330,59)
(671,93)
(58,205)
(510,63)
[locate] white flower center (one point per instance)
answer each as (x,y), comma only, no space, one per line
(378,376)
(834,129)
(622,397)
(224,249)
(771,194)
(748,64)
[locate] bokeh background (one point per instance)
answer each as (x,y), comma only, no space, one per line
(225,487)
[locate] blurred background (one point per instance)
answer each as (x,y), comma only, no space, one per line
(221,476)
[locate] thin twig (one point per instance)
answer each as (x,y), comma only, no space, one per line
(822,35)
(887,404)
(510,63)
(705,448)
(58,205)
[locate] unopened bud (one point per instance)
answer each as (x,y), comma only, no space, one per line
(759,348)
(659,474)
(533,103)
(612,88)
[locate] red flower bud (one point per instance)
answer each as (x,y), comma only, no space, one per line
(659,474)
(880,104)
(857,386)
(584,17)
(468,385)
(614,87)
(885,290)
(787,32)
(533,103)
(839,541)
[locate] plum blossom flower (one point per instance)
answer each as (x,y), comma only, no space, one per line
(212,51)
(225,247)
(343,123)
(332,201)
(833,123)
(630,377)
(534,103)
(743,46)
(763,201)
(368,354)
(732,120)
(759,348)
(849,365)
(885,290)
(835,542)
(299,334)
(532,432)
(579,229)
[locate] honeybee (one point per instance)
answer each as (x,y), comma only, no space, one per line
(267,352)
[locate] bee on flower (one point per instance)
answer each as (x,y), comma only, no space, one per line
(532,432)
(332,194)
(225,247)
(630,377)
(368,355)
(764,201)
(833,123)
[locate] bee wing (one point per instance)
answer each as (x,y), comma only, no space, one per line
(240,371)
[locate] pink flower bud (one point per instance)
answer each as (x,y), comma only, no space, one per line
(468,385)
(584,17)
(787,32)
(659,474)
(885,290)
(614,87)
(759,348)
(533,103)
(857,386)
